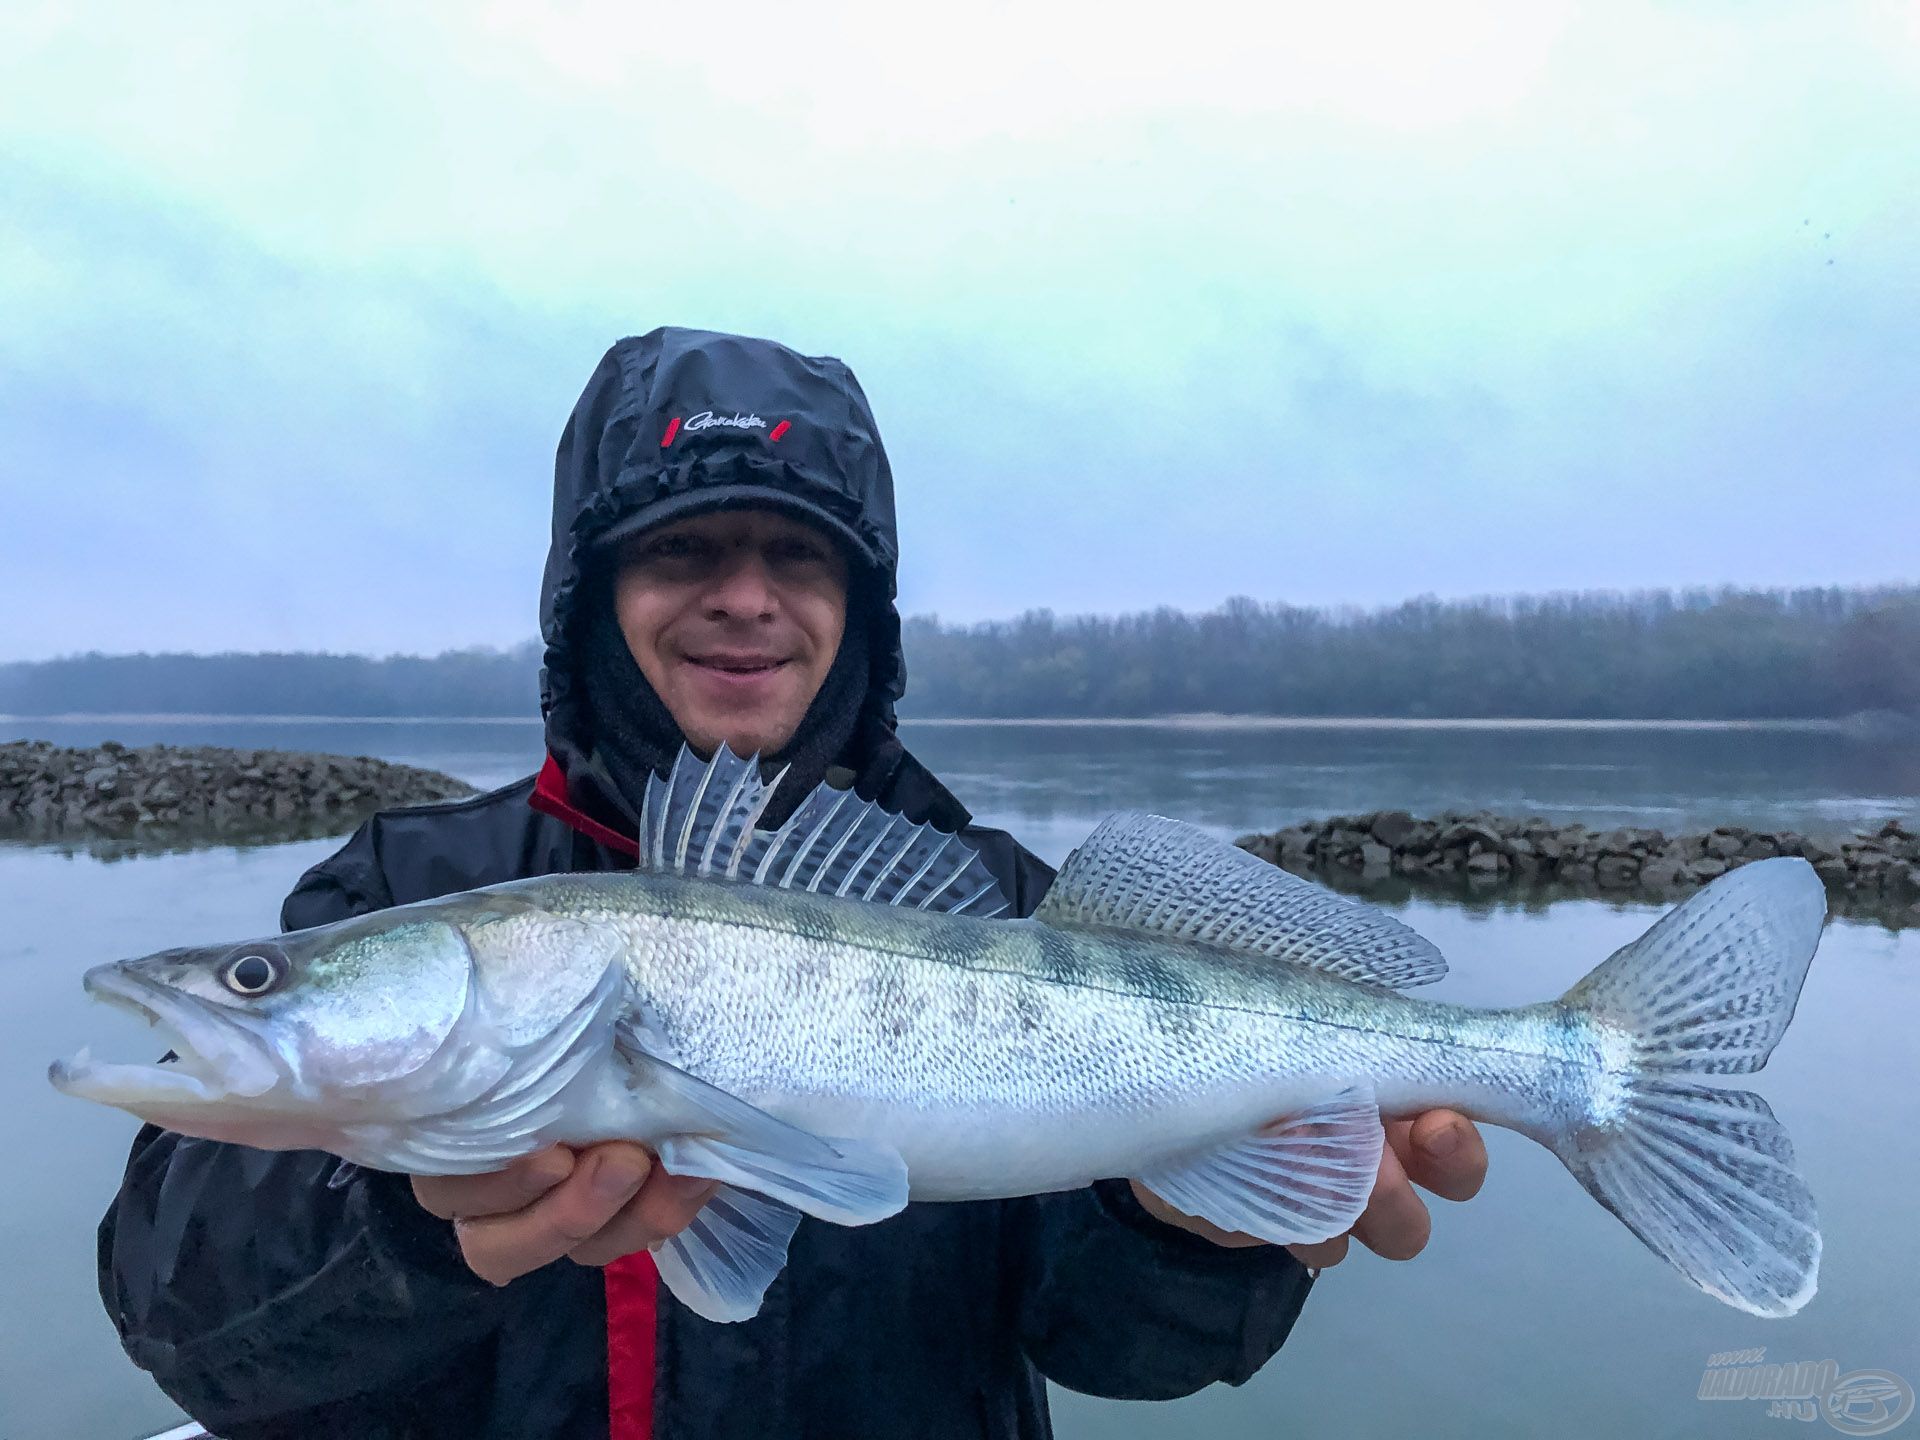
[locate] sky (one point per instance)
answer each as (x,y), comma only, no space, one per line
(1324,304)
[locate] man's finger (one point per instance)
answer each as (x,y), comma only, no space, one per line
(1193,1224)
(1443,1152)
(500,1248)
(1322,1254)
(453,1197)
(1395,1225)
(664,1207)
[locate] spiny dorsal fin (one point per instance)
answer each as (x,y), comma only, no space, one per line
(700,821)
(1146,872)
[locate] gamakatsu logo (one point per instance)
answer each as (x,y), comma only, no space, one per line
(706,420)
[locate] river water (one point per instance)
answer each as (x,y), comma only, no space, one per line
(1532,1311)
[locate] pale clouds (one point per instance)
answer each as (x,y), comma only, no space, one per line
(1453,299)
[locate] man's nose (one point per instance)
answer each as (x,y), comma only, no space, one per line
(742,588)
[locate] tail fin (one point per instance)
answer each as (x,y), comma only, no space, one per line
(1705,1176)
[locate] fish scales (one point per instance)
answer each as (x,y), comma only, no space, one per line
(1100,1050)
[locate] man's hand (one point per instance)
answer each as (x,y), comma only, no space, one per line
(592,1206)
(1441,1151)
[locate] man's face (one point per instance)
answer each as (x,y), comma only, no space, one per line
(734,618)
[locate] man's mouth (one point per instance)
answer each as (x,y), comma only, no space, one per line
(745,665)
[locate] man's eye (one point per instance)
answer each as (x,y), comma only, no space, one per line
(800,551)
(676,547)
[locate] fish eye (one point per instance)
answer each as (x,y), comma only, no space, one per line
(254,971)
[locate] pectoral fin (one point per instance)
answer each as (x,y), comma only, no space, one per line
(720,1266)
(850,1182)
(1304,1178)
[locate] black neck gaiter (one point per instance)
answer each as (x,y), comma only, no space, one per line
(634,735)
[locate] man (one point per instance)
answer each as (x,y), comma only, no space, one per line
(722,569)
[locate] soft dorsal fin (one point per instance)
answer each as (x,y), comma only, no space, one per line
(700,821)
(1146,872)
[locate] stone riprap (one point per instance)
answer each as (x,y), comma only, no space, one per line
(1876,871)
(48,792)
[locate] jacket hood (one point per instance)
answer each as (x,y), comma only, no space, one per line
(677,421)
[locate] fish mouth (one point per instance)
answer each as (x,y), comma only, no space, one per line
(215,1057)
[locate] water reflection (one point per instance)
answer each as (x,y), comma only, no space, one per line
(1489,895)
(152,838)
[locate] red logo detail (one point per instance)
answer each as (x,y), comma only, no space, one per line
(673,429)
(780,429)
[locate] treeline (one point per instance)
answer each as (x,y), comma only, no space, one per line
(458,682)
(1723,654)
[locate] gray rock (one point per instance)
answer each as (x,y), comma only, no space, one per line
(1297,841)
(112,790)
(1464,833)
(1664,873)
(1393,828)
(1878,872)
(1835,872)
(1616,872)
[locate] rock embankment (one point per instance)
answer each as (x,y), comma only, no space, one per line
(50,792)
(1865,869)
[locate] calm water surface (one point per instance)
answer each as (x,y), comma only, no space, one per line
(1532,1312)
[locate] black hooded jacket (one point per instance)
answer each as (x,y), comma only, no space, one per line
(293,1293)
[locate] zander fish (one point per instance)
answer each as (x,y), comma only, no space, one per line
(827,1019)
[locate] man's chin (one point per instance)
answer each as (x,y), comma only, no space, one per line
(746,736)
(749,724)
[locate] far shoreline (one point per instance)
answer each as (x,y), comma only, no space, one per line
(1194,721)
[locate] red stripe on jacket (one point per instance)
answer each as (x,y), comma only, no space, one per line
(632,1282)
(550,798)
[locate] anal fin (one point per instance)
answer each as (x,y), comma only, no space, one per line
(720,1266)
(1304,1178)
